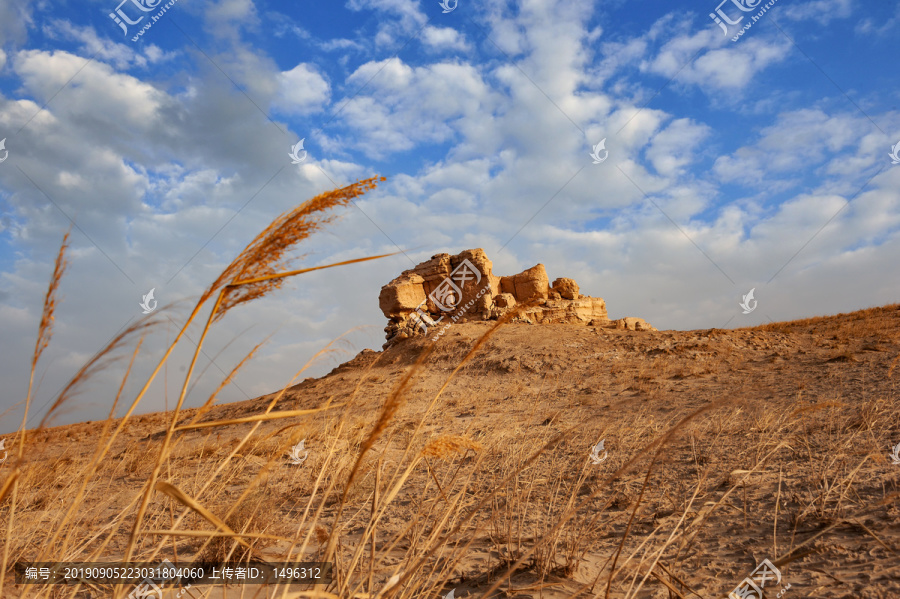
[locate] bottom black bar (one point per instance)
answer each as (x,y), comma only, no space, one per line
(153,576)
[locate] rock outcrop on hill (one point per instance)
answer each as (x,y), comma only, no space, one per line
(446,289)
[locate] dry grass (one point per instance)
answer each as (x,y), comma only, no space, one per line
(465,464)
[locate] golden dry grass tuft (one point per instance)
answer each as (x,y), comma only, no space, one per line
(448,445)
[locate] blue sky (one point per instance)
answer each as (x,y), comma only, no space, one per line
(757,163)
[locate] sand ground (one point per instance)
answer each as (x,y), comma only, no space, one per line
(784,456)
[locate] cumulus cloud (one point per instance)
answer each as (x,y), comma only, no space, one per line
(226,18)
(301,90)
(119,55)
(120,97)
(403,19)
(717,70)
(403,105)
(799,139)
(673,148)
(444,39)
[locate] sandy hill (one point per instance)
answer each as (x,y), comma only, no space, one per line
(721,448)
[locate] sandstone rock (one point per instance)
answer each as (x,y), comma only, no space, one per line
(505,300)
(583,310)
(528,285)
(426,283)
(402,295)
(447,289)
(567,288)
(633,324)
(480,288)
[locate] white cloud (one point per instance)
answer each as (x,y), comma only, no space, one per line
(155,54)
(725,69)
(798,140)
(302,90)
(231,10)
(226,18)
(404,105)
(340,44)
(120,55)
(819,11)
(508,36)
(444,38)
(407,19)
(673,148)
(119,97)
(614,57)
(407,9)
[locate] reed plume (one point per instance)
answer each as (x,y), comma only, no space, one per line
(251,275)
(260,268)
(45,332)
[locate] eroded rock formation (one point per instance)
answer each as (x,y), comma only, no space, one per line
(429,298)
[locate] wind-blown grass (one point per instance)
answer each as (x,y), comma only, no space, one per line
(399,504)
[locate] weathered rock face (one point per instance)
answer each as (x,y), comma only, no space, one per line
(447,289)
(528,285)
(505,300)
(633,324)
(582,311)
(444,284)
(566,288)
